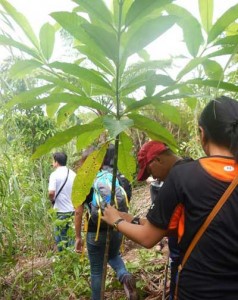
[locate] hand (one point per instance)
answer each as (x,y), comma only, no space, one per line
(78,245)
(110,215)
(126,216)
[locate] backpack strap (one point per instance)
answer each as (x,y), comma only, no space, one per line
(59,191)
(205,225)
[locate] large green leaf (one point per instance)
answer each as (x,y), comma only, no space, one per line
(213,70)
(80,101)
(65,111)
(47,40)
(96,9)
(82,73)
(29,95)
(24,67)
(126,160)
(141,8)
(223,22)
(145,33)
(98,58)
(228,40)
(190,66)
(154,130)
(87,138)
(169,111)
(62,138)
(6,41)
(214,83)
(105,40)
(21,20)
(192,30)
(115,126)
(206,13)
(88,170)
(61,83)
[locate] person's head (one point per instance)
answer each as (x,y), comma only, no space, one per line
(155,159)
(109,156)
(59,159)
(219,125)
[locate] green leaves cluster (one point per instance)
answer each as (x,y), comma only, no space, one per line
(104,76)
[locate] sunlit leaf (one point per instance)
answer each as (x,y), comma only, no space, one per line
(21,20)
(89,169)
(214,83)
(206,13)
(213,70)
(145,33)
(23,67)
(169,111)
(126,159)
(47,40)
(141,8)
(190,66)
(223,22)
(65,111)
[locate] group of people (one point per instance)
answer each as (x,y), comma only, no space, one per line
(192,189)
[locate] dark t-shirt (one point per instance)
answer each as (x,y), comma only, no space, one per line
(211,271)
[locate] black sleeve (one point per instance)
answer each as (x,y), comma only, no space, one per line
(166,200)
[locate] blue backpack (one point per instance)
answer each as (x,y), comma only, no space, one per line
(102,188)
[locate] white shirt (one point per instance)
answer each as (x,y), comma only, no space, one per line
(63,202)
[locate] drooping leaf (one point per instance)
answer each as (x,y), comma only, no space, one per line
(29,95)
(223,22)
(82,73)
(87,138)
(89,169)
(4,40)
(115,126)
(154,130)
(169,111)
(214,83)
(126,160)
(192,31)
(65,111)
(47,40)
(191,66)
(80,101)
(51,109)
(228,40)
(24,67)
(98,58)
(140,8)
(62,138)
(145,33)
(213,70)
(228,50)
(21,20)
(206,13)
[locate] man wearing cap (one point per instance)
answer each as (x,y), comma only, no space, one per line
(156,159)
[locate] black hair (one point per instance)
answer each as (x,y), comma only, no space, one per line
(109,156)
(219,120)
(60,158)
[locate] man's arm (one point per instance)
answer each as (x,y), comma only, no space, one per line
(78,224)
(51,195)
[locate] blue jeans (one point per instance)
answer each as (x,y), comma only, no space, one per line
(174,254)
(61,231)
(96,251)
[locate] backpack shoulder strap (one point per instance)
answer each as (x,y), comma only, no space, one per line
(59,191)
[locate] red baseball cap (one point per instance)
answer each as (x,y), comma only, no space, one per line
(146,154)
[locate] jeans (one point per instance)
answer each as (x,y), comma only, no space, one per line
(61,231)
(175,261)
(96,251)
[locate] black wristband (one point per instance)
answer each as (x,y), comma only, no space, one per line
(115,224)
(136,221)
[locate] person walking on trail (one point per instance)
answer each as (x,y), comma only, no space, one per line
(60,189)
(208,242)
(96,246)
(156,159)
